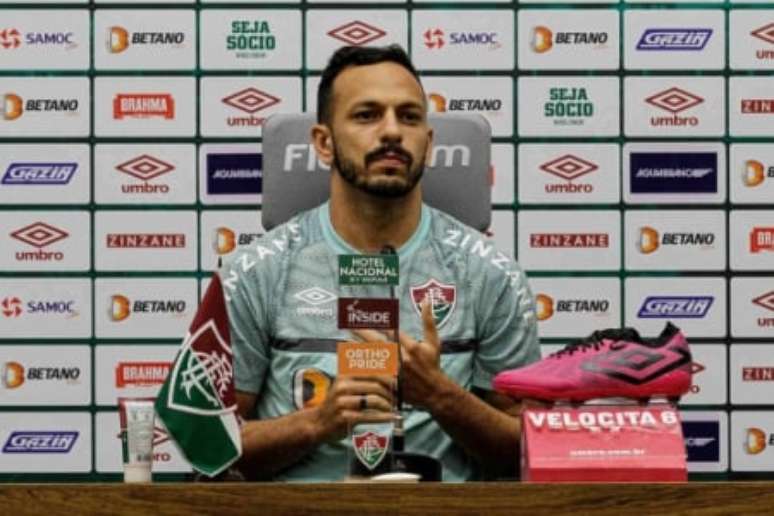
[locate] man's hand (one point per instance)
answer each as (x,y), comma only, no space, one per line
(354,400)
(422,377)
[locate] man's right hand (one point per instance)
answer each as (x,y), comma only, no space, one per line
(343,405)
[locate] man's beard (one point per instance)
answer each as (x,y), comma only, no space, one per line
(360,179)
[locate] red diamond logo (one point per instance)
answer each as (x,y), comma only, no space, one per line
(765,33)
(145,167)
(39,235)
(11,306)
(10,38)
(568,167)
(251,100)
(766,301)
(674,100)
(356,33)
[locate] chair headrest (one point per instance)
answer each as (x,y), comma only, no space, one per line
(456,181)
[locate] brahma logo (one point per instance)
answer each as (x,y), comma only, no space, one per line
(40,442)
(756,440)
(546,306)
(758,374)
(761,239)
(436,38)
(145,168)
(765,33)
(755,173)
(141,374)
(675,307)
(568,106)
(249,100)
(11,307)
(250,39)
(144,105)
(650,240)
(121,307)
(569,240)
(145,240)
(674,100)
(673,172)
(119,39)
(10,39)
(674,39)
(356,33)
(544,39)
(13,375)
(226,240)
(757,106)
(39,235)
(569,168)
(39,173)
(439,104)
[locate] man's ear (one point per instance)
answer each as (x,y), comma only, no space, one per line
(322,140)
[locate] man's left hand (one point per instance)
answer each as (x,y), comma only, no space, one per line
(422,378)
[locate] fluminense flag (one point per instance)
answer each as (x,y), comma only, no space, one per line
(197,402)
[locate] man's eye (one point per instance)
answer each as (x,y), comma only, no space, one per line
(365,115)
(412,117)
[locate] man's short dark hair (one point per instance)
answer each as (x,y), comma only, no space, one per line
(355,56)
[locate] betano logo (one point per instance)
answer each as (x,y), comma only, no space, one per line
(569,168)
(145,168)
(650,240)
(226,240)
(144,105)
(13,375)
(141,374)
(762,239)
(356,33)
(544,39)
(39,235)
(439,104)
(121,307)
(674,100)
(755,173)
(13,106)
(546,306)
(119,39)
(249,100)
(755,441)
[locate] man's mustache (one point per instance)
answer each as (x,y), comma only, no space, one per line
(384,150)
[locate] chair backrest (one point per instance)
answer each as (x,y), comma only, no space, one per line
(456,181)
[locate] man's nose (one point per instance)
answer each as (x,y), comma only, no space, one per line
(391,130)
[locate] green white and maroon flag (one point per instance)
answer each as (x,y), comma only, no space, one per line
(197,402)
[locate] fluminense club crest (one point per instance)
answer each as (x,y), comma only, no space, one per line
(203,374)
(442,297)
(371,444)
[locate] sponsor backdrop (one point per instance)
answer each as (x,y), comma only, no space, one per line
(633,178)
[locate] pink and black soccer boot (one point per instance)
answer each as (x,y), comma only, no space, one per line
(609,364)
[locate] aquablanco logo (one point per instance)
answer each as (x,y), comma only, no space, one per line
(677,307)
(39,173)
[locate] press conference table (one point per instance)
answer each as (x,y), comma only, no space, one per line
(425,499)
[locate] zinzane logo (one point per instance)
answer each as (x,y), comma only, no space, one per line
(40,442)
